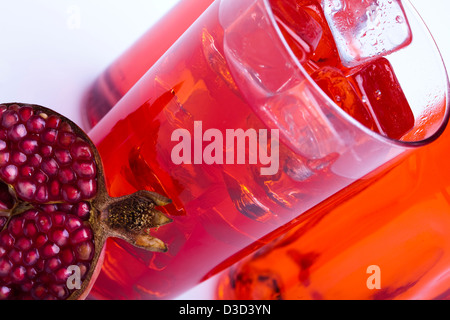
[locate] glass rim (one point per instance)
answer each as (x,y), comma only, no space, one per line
(385,139)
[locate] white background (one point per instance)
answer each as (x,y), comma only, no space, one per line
(52,50)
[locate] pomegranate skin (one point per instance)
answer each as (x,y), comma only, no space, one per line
(55,213)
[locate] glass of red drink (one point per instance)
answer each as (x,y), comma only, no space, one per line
(128,68)
(257,116)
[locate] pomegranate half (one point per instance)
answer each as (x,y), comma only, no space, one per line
(55,212)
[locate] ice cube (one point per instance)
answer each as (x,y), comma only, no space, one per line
(301,31)
(385,99)
(366,29)
(326,53)
(333,82)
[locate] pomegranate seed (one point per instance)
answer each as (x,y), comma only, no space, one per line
(52,265)
(59,291)
(65,207)
(67,256)
(18,158)
(6,240)
(47,151)
(5,292)
(31,273)
(16,226)
(39,268)
(73,223)
(39,292)
(9,119)
(41,193)
(36,124)
(30,229)
(49,250)
(62,275)
(29,146)
(82,210)
(4,158)
(3,145)
(17,132)
(66,139)
(26,189)
(65,127)
(5,267)
(25,113)
(41,177)
(50,167)
(15,256)
(71,194)
(55,189)
(63,157)
(35,160)
(27,286)
(44,223)
(85,169)
(23,244)
(60,237)
(27,171)
(81,151)
(88,188)
(9,173)
(49,136)
(49,208)
(31,257)
(81,235)
(18,274)
(83,269)
(84,251)
(40,240)
(66,175)
(58,219)
(30,214)
(53,122)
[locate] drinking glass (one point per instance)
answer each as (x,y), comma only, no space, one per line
(231,126)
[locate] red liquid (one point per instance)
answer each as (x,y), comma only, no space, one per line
(221,212)
(123,73)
